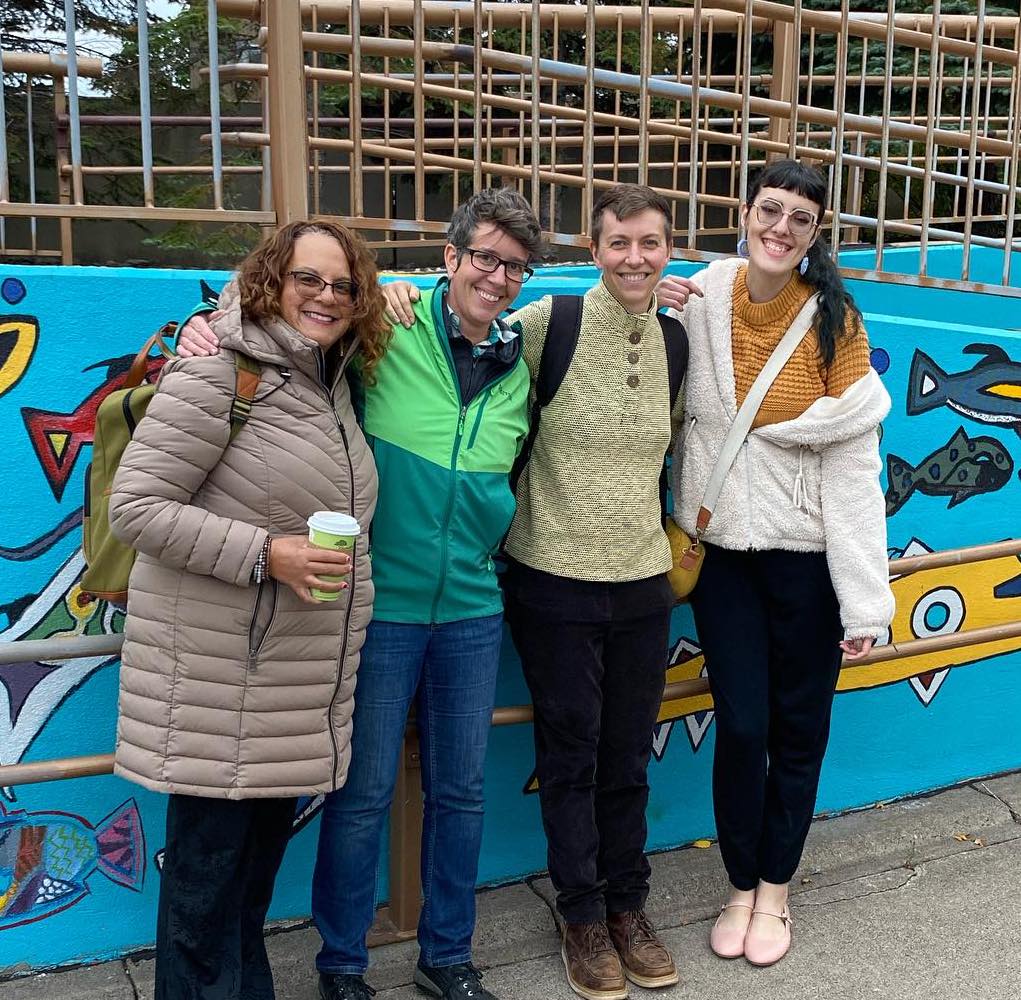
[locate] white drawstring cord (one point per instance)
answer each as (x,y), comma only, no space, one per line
(800,496)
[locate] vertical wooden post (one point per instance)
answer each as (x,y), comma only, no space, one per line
(288,123)
(784,84)
(406,838)
(63,160)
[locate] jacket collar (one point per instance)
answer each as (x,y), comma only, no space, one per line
(272,341)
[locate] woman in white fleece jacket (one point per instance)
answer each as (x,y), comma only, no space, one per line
(795,572)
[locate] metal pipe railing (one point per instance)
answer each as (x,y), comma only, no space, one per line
(397,920)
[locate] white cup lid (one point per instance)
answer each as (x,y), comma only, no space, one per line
(334,523)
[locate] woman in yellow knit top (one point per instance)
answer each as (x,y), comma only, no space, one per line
(795,571)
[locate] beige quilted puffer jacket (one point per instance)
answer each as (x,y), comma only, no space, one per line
(229,689)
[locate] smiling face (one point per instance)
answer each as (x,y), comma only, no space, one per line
(773,250)
(322,316)
(475,296)
(632,253)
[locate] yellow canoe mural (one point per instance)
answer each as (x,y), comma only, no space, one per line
(929,603)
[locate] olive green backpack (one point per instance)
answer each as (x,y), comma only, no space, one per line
(108,560)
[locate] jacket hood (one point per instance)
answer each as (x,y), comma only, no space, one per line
(270,341)
(832,419)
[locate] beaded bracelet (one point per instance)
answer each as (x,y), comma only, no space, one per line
(260,571)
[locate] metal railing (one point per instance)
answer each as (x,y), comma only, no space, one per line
(399,918)
(915,117)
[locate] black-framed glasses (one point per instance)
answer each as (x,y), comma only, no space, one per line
(799,220)
(310,285)
(486,260)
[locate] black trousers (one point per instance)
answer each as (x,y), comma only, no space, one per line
(769,625)
(221,860)
(594,656)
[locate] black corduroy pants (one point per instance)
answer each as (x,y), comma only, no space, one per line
(594,656)
(221,860)
(769,625)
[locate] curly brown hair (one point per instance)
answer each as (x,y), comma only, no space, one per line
(261,276)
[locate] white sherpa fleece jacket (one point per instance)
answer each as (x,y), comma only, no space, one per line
(807,485)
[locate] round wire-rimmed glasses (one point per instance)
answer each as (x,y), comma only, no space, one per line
(799,220)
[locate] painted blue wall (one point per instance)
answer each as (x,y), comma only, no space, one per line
(65,332)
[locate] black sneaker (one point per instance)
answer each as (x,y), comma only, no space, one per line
(452,982)
(333,986)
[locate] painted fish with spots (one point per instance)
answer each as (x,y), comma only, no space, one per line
(46,859)
(962,468)
(990,392)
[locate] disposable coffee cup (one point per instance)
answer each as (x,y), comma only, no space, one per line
(331,530)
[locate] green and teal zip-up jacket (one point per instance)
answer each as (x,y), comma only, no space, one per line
(445,501)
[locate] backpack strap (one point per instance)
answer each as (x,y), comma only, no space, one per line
(247,373)
(562,334)
(675,339)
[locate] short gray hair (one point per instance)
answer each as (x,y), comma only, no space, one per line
(502,207)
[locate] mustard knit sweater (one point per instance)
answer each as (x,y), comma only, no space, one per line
(758,328)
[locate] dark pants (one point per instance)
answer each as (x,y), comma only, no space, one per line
(221,861)
(594,656)
(769,625)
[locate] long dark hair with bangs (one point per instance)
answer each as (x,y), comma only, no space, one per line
(834,300)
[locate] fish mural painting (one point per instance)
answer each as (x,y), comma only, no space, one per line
(18,338)
(31,691)
(962,468)
(989,392)
(47,858)
(58,438)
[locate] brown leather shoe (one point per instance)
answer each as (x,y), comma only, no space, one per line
(593,968)
(644,957)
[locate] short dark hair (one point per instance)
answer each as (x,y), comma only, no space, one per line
(505,209)
(625,200)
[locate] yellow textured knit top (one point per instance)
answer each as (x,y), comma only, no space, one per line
(588,500)
(758,328)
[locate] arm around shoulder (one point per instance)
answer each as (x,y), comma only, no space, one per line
(178,442)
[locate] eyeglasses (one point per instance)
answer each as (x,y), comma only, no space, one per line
(310,285)
(486,261)
(799,221)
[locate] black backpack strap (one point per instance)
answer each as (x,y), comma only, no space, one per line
(562,335)
(675,339)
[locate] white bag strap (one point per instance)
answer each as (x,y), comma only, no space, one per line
(742,424)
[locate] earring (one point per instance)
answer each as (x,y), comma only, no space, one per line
(803,266)
(742,248)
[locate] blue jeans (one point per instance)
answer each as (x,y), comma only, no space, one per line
(449,670)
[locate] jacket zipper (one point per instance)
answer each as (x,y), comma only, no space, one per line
(255,647)
(478,418)
(440,327)
(341,659)
(451,494)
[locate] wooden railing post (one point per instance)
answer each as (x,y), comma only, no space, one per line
(784,82)
(406,838)
(288,121)
(62,144)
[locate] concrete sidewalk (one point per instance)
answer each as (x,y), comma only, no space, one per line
(918,900)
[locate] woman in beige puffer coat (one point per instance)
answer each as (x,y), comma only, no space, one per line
(236,684)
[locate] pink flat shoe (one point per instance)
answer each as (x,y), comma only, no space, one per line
(728,942)
(763,953)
